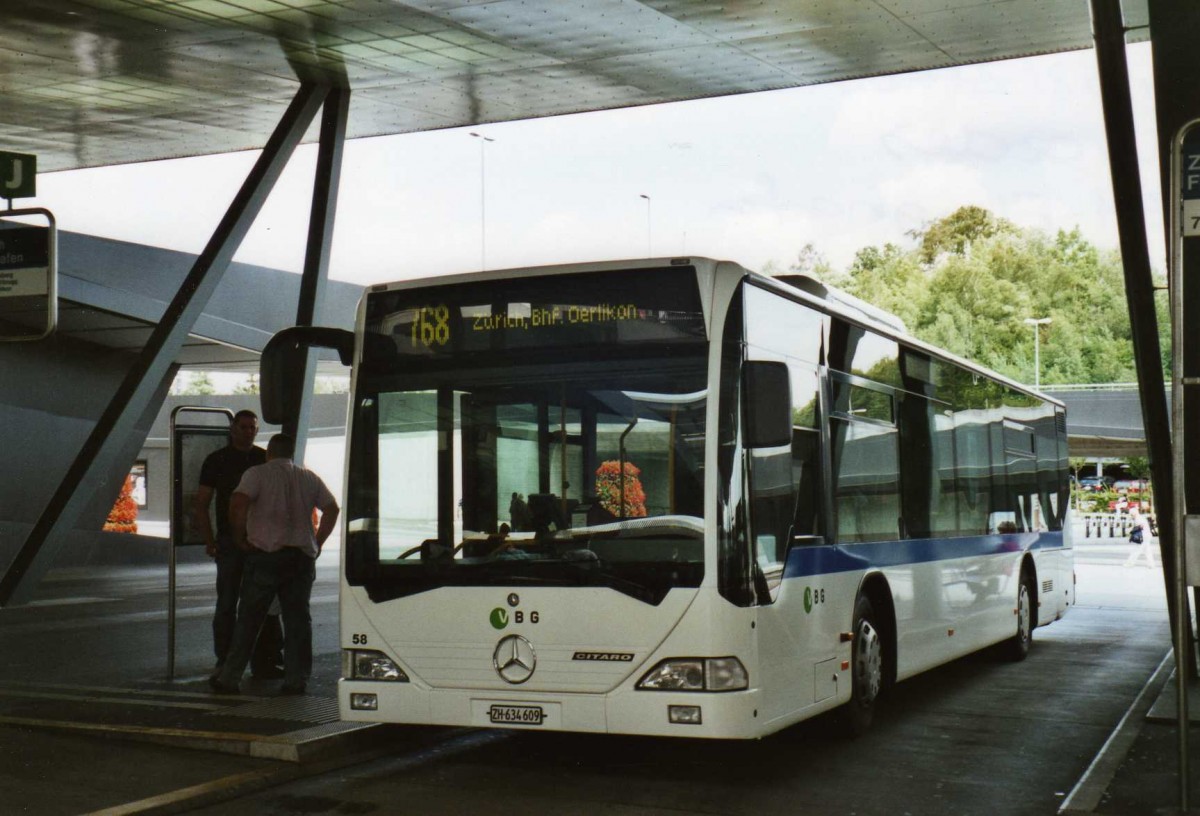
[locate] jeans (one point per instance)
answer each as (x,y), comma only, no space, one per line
(230,565)
(229,579)
(289,574)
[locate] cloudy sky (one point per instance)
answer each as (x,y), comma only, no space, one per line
(751,178)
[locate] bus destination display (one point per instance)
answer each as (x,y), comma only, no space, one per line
(520,315)
(431,324)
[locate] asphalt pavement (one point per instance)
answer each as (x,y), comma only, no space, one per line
(90,721)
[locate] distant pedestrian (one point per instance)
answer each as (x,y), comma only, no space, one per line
(271,517)
(1141,536)
(219,475)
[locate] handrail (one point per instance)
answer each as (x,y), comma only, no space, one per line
(1091,387)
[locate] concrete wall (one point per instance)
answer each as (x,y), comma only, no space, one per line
(51,394)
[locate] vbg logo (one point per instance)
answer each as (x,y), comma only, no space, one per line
(499,617)
(812,597)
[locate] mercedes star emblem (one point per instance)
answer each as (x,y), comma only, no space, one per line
(514,659)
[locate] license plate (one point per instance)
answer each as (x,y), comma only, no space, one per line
(516,715)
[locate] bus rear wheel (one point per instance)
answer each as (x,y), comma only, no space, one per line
(866,669)
(1017,647)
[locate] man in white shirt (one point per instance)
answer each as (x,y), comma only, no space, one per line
(270,514)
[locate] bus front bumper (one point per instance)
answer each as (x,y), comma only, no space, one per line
(726,715)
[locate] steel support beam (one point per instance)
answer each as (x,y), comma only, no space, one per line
(1109,31)
(136,392)
(1174,28)
(316,258)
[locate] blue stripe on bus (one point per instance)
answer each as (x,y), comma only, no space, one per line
(830,558)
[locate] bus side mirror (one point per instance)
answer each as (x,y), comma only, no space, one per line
(767,400)
(283,361)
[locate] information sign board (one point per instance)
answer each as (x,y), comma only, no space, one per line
(28,275)
(24,261)
(1190,183)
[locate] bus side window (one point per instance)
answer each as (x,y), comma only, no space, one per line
(768,432)
(806,454)
(866,480)
(786,483)
(772,500)
(866,464)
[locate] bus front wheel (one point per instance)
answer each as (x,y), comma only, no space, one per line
(866,669)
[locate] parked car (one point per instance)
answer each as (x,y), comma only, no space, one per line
(1129,485)
(1096,483)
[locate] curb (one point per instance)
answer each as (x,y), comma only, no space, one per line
(298,747)
(226,788)
(1091,787)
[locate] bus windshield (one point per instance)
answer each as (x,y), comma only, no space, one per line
(576,462)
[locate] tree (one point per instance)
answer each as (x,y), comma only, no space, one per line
(247,386)
(193,383)
(957,232)
(333,384)
(888,277)
(1139,467)
(809,261)
(1077,463)
(974,278)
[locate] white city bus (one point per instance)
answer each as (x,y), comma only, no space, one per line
(674,497)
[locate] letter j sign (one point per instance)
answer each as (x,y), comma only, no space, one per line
(18,175)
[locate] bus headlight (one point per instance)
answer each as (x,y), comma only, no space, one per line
(371,665)
(696,674)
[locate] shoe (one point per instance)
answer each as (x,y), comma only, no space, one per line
(220,688)
(291,691)
(267,672)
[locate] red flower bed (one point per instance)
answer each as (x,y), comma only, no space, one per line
(608,489)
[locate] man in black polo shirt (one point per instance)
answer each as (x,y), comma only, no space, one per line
(219,475)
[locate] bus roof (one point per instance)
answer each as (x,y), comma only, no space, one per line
(848,307)
(798,287)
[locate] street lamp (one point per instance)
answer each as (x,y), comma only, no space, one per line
(483,140)
(1037,323)
(643,195)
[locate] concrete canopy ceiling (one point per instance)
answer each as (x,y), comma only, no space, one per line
(100,82)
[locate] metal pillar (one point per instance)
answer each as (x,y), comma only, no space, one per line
(1183,392)
(1108,29)
(316,258)
(1175,24)
(136,392)
(1174,28)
